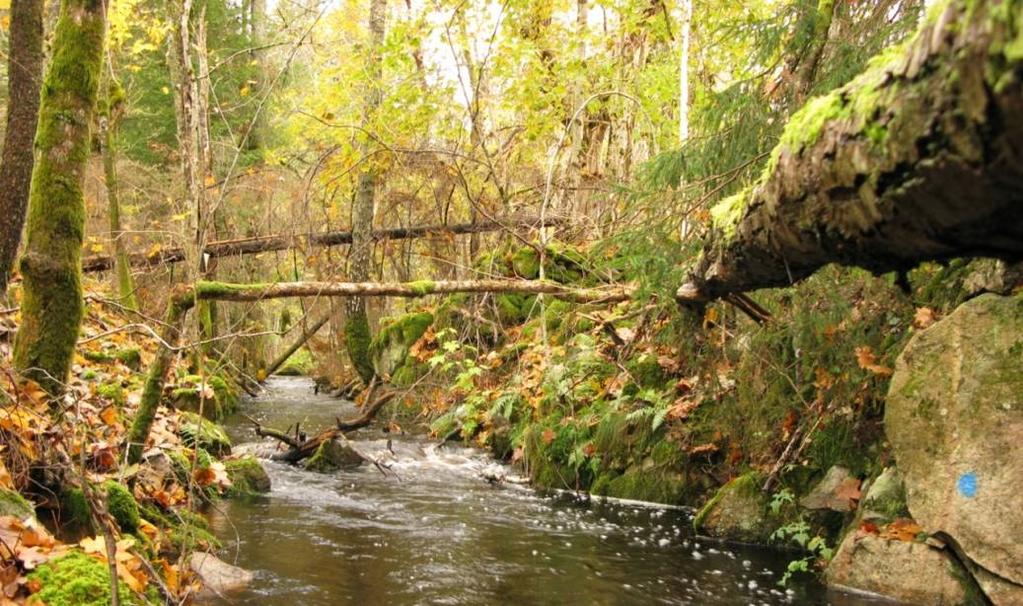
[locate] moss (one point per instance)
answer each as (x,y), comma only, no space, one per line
(647,372)
(513,308)
(298,364)
(52,304)
(113,392)
(247,477)
(122,506)
(389,350)
(653,485)
(13,504)
(726,214)
(422,287)
(76,579)
(357,341)
(74,508)
(197,432)
(526,263)
(225,398)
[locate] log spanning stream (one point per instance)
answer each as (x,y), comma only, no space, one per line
(440,534)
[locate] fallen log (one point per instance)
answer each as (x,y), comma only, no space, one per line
(919,158)
(223,291)
(305,336)
(185,298)
(261,244)
(299,449)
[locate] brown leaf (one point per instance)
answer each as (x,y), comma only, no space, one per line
(849,490)
(867,360)
(902,530)
(923,317)
(547,436)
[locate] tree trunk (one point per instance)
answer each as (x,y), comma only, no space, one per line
(51,305)
(357,330)
(24,72)
(685,28)
(152,393)
(261,244)
(257,23)
(123,283)
(299,342)
(919,158)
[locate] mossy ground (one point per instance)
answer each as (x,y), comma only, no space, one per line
(77,579)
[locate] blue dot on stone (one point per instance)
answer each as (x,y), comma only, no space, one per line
(967,485)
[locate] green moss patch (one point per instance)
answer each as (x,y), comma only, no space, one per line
(76,579)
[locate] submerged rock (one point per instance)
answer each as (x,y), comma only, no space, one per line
(906,571)
(954,416)
(217,576)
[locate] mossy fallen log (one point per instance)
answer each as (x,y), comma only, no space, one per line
(919,158)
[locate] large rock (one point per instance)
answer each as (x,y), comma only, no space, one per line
(334,454)
(885,499)
(738,512)
(904,571)
(954,416)
(217,576)
(837,491)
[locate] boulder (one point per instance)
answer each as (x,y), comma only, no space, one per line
(954,416)
(885,500)
(334,454)
(837,491)
(13,504)
(198,432)
(391,346)
(247,477)
(738,512)
(905,571)
(217,576)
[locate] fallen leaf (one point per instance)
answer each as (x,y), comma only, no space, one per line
(902,530)
(867,360)
(548,436)
(923,317)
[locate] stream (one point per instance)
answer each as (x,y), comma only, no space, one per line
(437,533)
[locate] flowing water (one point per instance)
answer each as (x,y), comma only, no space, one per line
(436,532)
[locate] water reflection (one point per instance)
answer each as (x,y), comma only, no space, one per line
(436,533)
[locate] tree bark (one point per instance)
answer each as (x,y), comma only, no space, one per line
(919,158)
(52,305)
(24,75)
(261,244)
(357,329)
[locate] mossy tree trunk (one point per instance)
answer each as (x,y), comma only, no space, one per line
(177,307)
(51,305)
(24,75)
(357,330)
(919,158)
(113,110)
